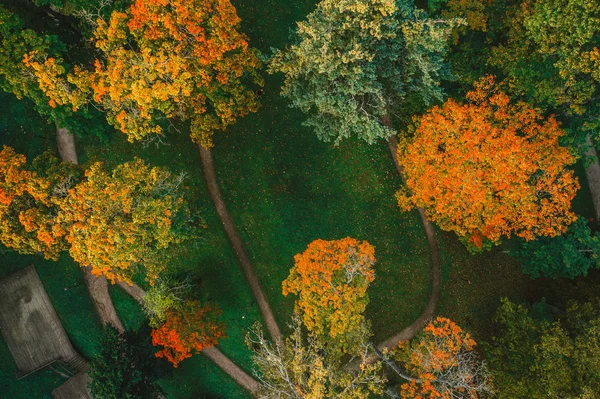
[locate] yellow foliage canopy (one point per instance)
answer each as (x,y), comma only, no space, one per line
(118,221)
(188,61)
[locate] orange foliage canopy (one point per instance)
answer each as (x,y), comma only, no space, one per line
(27,209)
(443,363)
(488,169)
(331,278)
(163,58)
(191,328)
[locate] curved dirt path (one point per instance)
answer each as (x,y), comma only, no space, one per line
(238,246)
(435,271)
(97,286)
(222,361)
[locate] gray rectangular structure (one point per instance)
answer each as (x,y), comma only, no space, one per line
(29,323)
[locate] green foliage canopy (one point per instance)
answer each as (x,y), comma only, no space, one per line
(126,367)
(356,60)
(533,358)
(569,255)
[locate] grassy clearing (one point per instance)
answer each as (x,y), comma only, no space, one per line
(284,189)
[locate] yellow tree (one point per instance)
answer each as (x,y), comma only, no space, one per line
(489,169)
(331,279)
(122,221)
(161,60)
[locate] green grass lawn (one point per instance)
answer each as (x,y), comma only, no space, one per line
(284,189)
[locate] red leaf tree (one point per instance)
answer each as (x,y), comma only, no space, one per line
(188,329)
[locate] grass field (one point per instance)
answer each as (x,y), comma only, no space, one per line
(284,189)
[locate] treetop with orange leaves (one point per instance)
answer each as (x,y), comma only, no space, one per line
(331,279)
(442,363)
(189,329)
(489,169)
(28,209)
(188,61)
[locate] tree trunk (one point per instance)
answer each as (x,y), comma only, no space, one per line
(238,246)
(66,146)
(593,176)
(97,286)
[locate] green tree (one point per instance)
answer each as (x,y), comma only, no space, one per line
(569,255)
(126,367)
(533,358)
(355,62)
(552,56)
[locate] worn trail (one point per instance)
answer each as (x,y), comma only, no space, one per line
(97,285)
(237,243)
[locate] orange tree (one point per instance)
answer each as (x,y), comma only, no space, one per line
(488,169)
(189,328)
(27,210)
(442,364)
(120,221)
(160,60)
(331,279)
(22,36)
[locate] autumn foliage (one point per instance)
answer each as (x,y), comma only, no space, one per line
(442,363)
(331,279)
(489,168)
(123,220)
(27,209)
(187,330)
(162,59)
(118,222)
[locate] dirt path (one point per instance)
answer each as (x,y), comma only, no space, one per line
(239,375)
(222,361)
(593,176)
(238,245)
(435,271)
(97,286)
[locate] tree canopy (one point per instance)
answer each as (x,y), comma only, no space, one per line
(118,222)
(125,368)
(354,60)
(489,169)
(188,61)
(569,255)
(537,358)
(188,329)
(442,363)
(301,368)
(18,42)
(331,279)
